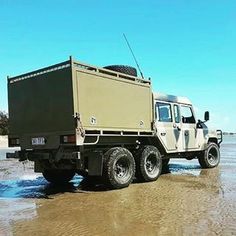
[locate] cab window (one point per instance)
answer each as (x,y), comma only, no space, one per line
(187,115)
(176,114)
(164,112)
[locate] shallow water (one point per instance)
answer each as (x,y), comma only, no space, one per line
(4,150)
(185,200)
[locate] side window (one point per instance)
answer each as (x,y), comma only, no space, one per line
(176,114)
(164,112)
(187,115)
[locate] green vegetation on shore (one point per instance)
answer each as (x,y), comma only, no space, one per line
(4,123)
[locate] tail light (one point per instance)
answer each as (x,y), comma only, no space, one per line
(13,142)
(68,138)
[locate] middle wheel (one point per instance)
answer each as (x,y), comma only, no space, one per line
(149,164)
(119,167)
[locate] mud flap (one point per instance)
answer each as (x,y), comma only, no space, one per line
(95,164)
(38,168)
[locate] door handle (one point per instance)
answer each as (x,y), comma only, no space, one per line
(163,134)
(176,127)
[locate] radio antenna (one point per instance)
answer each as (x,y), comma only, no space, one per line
(133,55)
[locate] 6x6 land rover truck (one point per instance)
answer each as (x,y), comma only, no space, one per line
(76,118)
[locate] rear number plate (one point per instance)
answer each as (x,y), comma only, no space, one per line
(38,141)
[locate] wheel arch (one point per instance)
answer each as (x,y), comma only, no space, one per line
(213,140)
(154,141)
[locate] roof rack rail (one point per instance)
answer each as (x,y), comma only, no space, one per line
(83,66)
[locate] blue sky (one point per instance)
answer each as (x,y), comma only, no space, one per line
(188,48)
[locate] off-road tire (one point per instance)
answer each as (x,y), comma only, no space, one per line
(148,164)
(58,176)
(210,157)
(129,70)
(119,168)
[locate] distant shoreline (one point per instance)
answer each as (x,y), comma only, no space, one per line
(229,133)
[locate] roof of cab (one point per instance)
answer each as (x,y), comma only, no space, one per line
(171,98)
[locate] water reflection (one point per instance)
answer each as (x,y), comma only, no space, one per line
(182,168)
(34,186)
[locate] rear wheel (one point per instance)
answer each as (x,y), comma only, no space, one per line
(210,157)
(149,164)
(58,176)
(119,167)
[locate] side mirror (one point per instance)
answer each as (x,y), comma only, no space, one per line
(207,116)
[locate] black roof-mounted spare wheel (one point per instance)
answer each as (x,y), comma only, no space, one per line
(129,70)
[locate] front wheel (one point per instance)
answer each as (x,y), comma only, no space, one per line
(210,157)
(58,176)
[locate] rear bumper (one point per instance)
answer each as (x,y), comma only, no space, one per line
(35,155)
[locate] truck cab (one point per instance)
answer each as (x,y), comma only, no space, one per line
(179,132)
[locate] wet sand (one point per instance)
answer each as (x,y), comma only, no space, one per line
(183,201)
